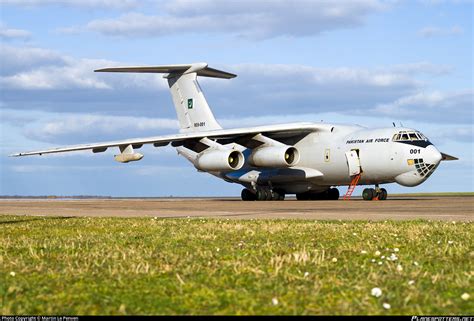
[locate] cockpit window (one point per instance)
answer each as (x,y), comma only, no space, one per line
(409,136)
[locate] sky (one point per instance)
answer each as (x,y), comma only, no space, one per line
(366,62)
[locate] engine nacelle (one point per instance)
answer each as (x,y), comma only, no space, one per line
(220,160)
(275,156)
(125,158)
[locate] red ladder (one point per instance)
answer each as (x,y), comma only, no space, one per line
(351,187)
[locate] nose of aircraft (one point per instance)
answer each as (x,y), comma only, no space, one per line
(432,155)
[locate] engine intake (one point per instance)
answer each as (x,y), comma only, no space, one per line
(275,156)
(220,160)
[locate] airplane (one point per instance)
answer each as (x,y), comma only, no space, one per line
(306,159)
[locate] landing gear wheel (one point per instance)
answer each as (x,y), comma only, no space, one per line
(247,195)
(261,195)
(278,195)
(368,194)
(333,194)
(269,195)
(318,196)
(382,194)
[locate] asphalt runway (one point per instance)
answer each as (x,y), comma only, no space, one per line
(396,208)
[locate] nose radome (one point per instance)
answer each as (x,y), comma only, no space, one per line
(432,155)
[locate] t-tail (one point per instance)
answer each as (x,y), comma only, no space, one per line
(192,109)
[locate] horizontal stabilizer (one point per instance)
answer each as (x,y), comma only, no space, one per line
(446,157)
(201,69)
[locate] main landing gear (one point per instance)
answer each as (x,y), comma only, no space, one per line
(373,194)
(263,194)
(330,194)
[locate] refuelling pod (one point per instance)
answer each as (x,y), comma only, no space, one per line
(220,160)
(127,155)
(275,156)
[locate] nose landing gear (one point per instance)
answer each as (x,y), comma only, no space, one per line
(374,194)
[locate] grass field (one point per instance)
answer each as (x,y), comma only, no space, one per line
(52,265)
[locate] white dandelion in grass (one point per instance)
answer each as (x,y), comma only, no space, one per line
(415,263)
(386,306)
(275,301)
(373,260)
(334,260)
(392,257)
(380,263)
(363,252)
(12,273)
(306,274)
(411,282)
(377,253)
(399,268)
(396,249)
(376,292)
(450,242)
(465,296)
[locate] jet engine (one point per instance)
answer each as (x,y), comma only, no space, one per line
(220,160)
(275,156)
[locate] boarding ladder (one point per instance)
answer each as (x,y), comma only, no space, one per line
(351,188)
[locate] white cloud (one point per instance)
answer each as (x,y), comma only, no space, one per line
(428,32)
(29,68)
(10,33)
(79,126)
(422,67)
(53,77)
(464,134)
(246,18)
(378,77)
(52,81)
(438,106)
(105,4)
(17,59)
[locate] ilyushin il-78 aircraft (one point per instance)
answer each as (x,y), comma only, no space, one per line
(306,159)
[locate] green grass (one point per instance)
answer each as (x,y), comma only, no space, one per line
(216,266)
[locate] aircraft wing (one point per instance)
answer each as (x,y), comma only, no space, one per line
(238,135)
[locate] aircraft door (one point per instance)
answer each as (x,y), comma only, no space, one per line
(353,161)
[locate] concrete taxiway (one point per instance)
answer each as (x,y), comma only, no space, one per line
(395,208)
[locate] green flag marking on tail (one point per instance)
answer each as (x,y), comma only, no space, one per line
(190,103)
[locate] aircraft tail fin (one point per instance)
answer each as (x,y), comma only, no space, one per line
(192,109)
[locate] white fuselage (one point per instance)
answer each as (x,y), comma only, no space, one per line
(323,161)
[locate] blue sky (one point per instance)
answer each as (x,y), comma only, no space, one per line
(368,62)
